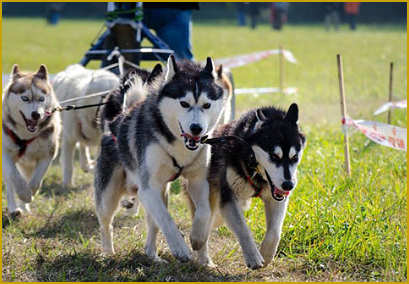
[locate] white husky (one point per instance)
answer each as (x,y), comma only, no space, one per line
(30,135)
(81,125)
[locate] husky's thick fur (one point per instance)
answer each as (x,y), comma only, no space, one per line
(81,125)
(30,135)
(152,144)
(226,80)
(134,86)
(277,142)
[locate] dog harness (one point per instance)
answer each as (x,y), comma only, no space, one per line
(21,143)
(251,160)
(257,189)
(175,163)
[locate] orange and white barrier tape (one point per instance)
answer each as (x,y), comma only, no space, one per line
(389,105)
(381,133)
(256,91)
(241,60)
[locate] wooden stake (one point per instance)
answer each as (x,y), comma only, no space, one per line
(281,69)
(390,90)
(344,113)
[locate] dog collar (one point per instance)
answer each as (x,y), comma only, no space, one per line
(257,189)
(21,143)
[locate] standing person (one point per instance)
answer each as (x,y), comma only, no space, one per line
(172,22)
(241,13)
(279,14)
(54,12)
(254,12)
(331,17)
(351,11)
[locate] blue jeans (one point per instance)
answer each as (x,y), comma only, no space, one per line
(174,27)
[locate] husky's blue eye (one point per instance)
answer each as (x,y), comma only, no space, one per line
(206,106)
(41,99)
(184,104)
(24,98)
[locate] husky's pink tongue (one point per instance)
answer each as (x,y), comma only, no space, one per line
(190,137)
(280,192)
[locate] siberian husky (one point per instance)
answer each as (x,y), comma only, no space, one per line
(80,125)
(151,145)
(133,93)
(30,135)
(276,142)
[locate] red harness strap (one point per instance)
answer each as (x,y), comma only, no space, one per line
(114,138)
(19,142)
(257,189)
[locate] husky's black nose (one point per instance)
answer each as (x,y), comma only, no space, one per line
(287,185)
(35,115)
(196,129)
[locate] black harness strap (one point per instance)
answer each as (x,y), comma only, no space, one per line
(175,163)
(251,160)
(21,143)
(70,107)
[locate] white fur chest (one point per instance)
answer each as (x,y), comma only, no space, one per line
(39,148)
(242,189)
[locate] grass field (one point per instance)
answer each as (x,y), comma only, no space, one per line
(337,228)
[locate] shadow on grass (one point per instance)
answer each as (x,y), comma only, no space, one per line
(54,187)
(69,225)
(133,266)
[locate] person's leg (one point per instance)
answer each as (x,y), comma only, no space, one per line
(174,27)
(327,21)
(177,34)
(353,21)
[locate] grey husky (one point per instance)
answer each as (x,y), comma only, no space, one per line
(261,162)
(153,143)
(30,135)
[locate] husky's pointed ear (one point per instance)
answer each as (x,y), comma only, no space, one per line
(157,71)
(42,72)
(261,118)
(172,68)
(209,68)
(220,72)
(292,114)
(15,72)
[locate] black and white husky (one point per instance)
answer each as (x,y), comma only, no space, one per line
(276,143)
(30,135)
(155,142)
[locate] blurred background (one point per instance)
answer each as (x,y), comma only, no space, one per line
(298,12)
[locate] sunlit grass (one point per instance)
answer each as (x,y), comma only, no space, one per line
(338,228)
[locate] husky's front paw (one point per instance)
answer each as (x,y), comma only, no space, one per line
(199,234)
(24,193)
(267,259)
(16,214)
(156,259)
(107,251)
(34,187)
(180,250)
(203,260)
(254,260)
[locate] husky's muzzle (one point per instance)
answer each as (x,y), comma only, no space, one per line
(277,193)
(191,142)
(31,124)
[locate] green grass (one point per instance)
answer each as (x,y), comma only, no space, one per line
(338,228)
